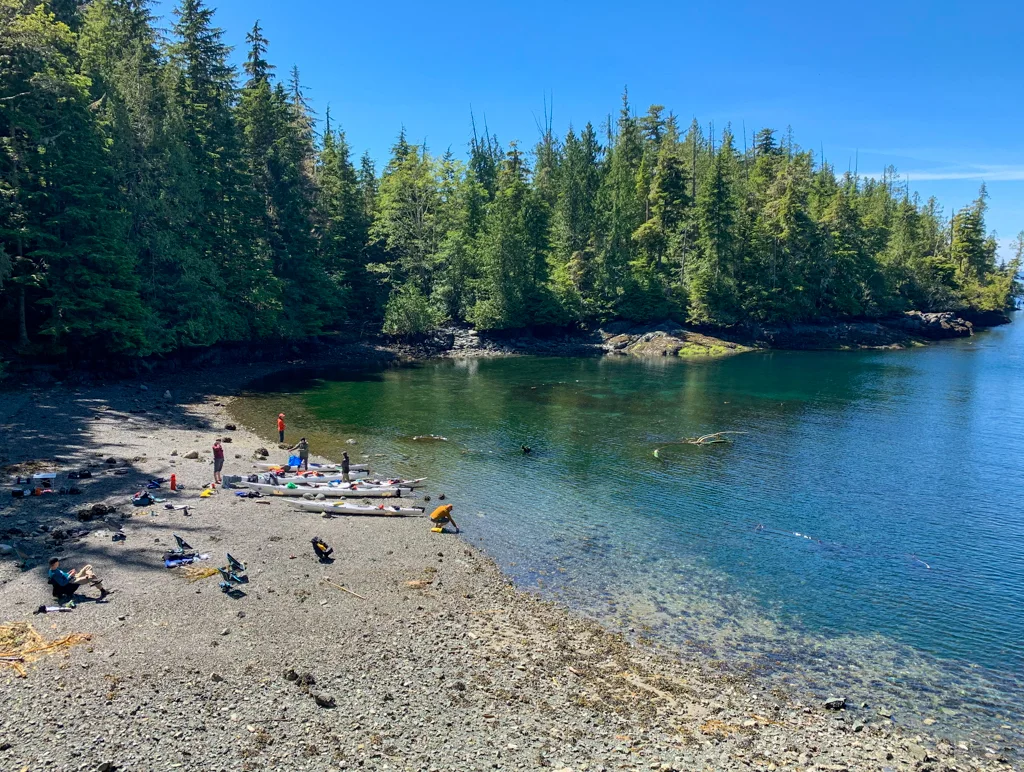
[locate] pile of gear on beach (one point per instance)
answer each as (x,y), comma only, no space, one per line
(320,488)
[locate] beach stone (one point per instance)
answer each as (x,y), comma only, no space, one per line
(216,677)
(193,454)
(835,703)
(167,394)
(6,549)
(918,753)
(290,675)
(324,700)
(229,427)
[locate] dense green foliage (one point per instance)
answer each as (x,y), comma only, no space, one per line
(152,198)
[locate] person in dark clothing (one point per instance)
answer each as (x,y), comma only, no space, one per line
(65,583)
(303,447)
(344,467)
(218,460)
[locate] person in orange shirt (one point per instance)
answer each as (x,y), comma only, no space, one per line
(440,517)
(280,427)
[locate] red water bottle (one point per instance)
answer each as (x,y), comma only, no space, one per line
(174,482)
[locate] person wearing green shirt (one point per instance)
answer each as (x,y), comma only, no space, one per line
(303,447)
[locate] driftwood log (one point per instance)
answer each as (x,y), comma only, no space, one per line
(704,439)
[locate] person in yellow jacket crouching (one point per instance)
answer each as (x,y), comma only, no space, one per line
(442,516)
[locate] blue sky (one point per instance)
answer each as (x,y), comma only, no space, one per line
(934,88)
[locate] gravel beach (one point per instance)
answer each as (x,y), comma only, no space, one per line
(436,663)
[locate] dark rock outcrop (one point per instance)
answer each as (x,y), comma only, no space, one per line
(828,337)
(985,318)
(938,326)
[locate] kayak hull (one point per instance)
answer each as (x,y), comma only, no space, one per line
(328,491)
(355,479)
(326,468)
(338,508)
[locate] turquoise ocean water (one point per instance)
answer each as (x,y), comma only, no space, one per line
(864,535)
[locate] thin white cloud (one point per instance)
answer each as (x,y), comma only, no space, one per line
(981,173)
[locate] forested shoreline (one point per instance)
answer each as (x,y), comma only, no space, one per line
(152,198)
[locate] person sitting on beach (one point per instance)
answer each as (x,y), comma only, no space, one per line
(303,447)
(218,460)
(344,467)
(65,583)
(280,427)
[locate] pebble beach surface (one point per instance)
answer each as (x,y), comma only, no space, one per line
(435,663)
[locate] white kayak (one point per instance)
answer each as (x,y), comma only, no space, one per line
(359,482)
(332,508)
(331,491)
(326,468)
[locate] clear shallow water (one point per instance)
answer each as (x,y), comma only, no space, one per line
(865,535)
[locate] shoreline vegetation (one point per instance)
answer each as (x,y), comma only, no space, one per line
(154,200)
(655,340)
(442,664)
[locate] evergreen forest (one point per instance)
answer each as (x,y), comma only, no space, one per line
(153,197)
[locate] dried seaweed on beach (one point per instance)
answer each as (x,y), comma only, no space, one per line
(21,643)
(197,573)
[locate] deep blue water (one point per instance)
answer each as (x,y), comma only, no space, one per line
(864,535)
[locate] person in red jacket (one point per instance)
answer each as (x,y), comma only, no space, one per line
(280,427)
(218,460)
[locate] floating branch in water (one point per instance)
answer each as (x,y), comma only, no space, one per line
(431,437)
(709,439)
(705,439)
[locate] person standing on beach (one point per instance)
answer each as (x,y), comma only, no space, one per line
(280,427)
(303,447)
(344,467)
(218,460)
